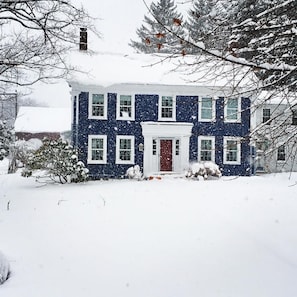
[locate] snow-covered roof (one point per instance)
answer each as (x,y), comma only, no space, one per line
(109,69)
(43,119)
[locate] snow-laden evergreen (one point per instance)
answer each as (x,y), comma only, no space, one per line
(6,137)
(159,31)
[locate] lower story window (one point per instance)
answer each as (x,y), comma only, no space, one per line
(232,150)
(206,147)
(125,149)
(281,153)
(97,149)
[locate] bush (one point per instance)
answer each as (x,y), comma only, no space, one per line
(57,160)
(204,169)
(4,269)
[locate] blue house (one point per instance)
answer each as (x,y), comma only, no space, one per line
(159,126)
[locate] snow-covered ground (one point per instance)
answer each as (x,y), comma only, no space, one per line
(232,237)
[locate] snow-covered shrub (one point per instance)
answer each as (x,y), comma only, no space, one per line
(134,172)
(57,160)
(204,169)
(6,138)
(4,269)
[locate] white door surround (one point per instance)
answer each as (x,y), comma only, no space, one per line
(179,133)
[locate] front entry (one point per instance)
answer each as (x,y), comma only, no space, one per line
(165,155)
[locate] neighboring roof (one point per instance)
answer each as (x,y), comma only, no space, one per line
(108,69)
(43,119)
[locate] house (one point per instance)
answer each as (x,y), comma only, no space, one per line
(41,122)
(274,132)
(131,114)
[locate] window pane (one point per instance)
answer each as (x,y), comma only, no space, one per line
(231,150)
(98,105)
(97,143)
(281,156)
(98,99)
(167,101)
(232,103)
(206,150)
(232,109)
(125,143)
(206,103)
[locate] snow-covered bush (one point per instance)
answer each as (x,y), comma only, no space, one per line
(21,151)
(6,138)
(134,172)
(4,269)
(57,160)
(204,169)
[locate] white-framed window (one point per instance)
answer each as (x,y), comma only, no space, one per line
(232,110)
(232,150)
(167,106)
(97,106)
(125,149)
(97,149)
(206,109)
(266,115)
(125,107)
(281,153)
(206,148)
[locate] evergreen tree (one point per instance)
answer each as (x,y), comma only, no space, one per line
(207,23)
(6,138)
(58,160)
(264,33)
(163,31)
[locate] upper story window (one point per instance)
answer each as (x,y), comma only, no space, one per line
(266,116)
(294,117)
(206,109)
(125,107)
(206,148)
(281,153)
(232,150)
(232,110)
(167,108)
(125,149)
(97,106)
(97,149)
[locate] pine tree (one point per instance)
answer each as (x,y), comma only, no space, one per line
(58,160)
(264,33)
(160,33)
(207,23)
(6,138)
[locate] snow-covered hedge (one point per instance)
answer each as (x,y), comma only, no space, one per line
(204,169)
(134,172)
(56,160)
(4,269)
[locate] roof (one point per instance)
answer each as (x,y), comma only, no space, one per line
(43,119)
(110,69)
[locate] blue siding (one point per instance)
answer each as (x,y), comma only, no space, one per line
(146,109)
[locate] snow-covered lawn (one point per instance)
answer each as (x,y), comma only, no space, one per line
(233,237)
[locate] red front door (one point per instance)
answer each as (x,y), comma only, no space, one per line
(165,155)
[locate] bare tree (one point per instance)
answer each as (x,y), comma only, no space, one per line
(35,37)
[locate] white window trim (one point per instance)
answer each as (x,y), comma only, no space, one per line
(212,138)
(238,162)
(132,118)
(90,161)
(173,108)
(90,106)
(213,115)
(238,120)
(118,160)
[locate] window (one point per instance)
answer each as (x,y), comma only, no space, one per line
(177,147)
(166,108)
(97,106)
(266,115)
(125,150)
(294,117)
(154,147)
(232,150)
(281,154)
(125,107)
(232,110)
(97,148)
(206,148)
(83,39)
(206,109)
